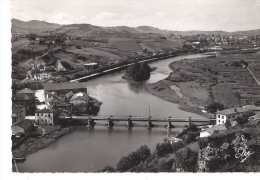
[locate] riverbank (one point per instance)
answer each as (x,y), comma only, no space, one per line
(33,144)
(195,83)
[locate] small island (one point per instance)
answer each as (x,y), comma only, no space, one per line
(138,72)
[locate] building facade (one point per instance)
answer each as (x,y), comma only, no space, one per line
(18,113)
(45,117)
(229,114)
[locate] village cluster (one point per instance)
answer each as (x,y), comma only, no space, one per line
(61,100)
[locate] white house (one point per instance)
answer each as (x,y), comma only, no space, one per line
(44,117)
(228,114)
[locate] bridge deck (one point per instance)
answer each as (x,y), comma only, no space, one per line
(140,119)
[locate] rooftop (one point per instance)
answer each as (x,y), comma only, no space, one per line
(44,111)
(64,86)
(220,127)
(26,91)
(23,97)
(231,111)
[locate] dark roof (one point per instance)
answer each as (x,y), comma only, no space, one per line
(55,99)
(16,106)
(44,111)
(64,104)
(26,91)
(23,97)
(64,86)
(231,111)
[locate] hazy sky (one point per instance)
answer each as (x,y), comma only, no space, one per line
(229,15)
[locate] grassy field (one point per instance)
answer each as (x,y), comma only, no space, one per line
(206,80)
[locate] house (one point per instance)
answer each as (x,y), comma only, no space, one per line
(208,132)
(90,66)
(42,75)
(229,114)
(63,88)
(79,98)
(63,108)
(54,100)
(45,117)
(18,113)
(27,100)
(26,91)
(216,48)
(59,67)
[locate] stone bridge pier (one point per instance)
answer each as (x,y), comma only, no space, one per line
(110,122)
(91,122)
(169,124)
(149,123)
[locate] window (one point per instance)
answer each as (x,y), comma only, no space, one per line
(219,121)
(218,116)
(222,117)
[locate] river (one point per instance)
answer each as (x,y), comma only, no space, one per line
(90,149)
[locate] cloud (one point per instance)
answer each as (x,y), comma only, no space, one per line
(106,16)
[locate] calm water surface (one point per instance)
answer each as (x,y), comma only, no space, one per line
(90,149)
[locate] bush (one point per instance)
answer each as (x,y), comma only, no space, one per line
(177,145)
(192,128)
(163,149)
(203,142)
(133,159)
(241,120)
(107,169)
(165,166)
(214,107)
(187,160)
(190,137)
(228,124)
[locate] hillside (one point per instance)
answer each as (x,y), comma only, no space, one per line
(232,150)
(19,26)
(24,27)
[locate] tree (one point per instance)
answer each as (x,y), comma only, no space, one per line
(163,149)
(192,127)
(187,159)
(227,124)
(214,107)
(108,168)
(241,120)
(133,159)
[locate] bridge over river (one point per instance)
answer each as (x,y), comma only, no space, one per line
(131,120)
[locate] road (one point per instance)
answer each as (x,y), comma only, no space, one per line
(253,75)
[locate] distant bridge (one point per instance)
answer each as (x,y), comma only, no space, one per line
(91,120)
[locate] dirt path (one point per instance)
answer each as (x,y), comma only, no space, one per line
(253,75)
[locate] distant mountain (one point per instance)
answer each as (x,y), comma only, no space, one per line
(79,29)
(35,26)
(88,29)
(150,29)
